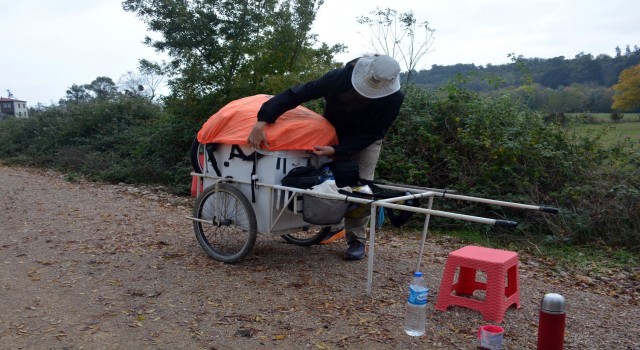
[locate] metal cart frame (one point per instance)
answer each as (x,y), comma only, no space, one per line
(283,206)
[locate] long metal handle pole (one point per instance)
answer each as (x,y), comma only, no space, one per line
(490,201)
(425,229)
(372,239)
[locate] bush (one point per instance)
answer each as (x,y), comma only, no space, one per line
(125,139)
(586,118)
(494,147)
(616,116)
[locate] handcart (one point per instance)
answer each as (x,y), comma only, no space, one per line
(239,195)
(234,208)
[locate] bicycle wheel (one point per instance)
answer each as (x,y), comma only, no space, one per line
(308,236)
(196,156)
(227,228)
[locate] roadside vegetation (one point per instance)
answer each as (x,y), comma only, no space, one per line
(498,148)
(492,145)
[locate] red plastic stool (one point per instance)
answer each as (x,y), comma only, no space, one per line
(501,288)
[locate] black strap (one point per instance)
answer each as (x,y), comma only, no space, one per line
(254,177)
(211,147)
(236,152)
(284,165)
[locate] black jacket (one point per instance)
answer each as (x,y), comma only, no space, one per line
(358,122)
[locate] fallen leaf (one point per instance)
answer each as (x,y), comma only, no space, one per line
(321,346)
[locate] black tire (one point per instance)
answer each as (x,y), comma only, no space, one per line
(231,231)
(307,237)
(196,150)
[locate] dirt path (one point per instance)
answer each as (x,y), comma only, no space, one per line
(88,266)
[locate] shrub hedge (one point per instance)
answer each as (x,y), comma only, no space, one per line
(453,138)
(495,147)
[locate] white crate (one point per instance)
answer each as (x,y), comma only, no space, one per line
(271,168)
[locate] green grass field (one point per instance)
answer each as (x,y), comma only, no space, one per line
(626,129)
(615,131)
(603,117)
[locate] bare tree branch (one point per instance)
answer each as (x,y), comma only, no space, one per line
(400,36)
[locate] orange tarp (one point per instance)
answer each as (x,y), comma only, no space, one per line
(297,129)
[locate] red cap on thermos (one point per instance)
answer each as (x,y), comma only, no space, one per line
(552,322)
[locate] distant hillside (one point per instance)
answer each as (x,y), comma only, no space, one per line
(553,73)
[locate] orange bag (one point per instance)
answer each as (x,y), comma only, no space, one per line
(297,129)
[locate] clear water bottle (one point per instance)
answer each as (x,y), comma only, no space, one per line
(326,174)
(416,315)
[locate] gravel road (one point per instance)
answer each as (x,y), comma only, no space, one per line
(95,266)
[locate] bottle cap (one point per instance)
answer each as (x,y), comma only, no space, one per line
(417,274)
(553,303)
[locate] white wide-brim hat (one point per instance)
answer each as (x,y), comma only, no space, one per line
(376,76)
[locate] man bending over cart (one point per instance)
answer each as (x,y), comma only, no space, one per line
(362,100)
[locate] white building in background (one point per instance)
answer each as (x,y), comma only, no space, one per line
(11,106)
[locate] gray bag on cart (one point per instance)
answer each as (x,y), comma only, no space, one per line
(315,210)
(323,211)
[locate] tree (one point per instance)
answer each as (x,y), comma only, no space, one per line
(131,84)
(103,88)
(226,49)
(399,35)
(627,90)
(77,93)
(585,69)
(616,116)
(144,83)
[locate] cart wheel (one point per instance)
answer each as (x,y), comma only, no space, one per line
(307,237)
(230,229)
(196,155)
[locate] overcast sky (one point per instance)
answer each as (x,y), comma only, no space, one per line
(48,45)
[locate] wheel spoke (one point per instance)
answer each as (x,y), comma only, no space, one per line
(233,228)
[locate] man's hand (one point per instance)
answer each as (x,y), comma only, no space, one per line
(324,151)
(257,138)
